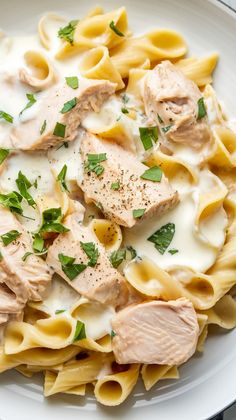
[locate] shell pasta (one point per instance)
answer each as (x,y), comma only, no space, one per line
(117,206)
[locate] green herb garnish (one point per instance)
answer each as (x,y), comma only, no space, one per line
(67,33)
(52,221)
(59,311)
(72,82)
(93,164)
(43,127)
(3,154)
(117,257)
(80,333)
(9,237)
(113,334)
(173,251)
(69,268)
(59,130)
(152,174)
(38,243)
(23,185)
(137,213)
(31,102)
(124,110)
(7,117)
(61,178)
(68,105)
(133,253)
(163,237)
(167,128)
(12,201)
(115,29)
(201,108)
(125,98)
(91,251)
(115,185)
(148,135)
(26,255)
(160,119)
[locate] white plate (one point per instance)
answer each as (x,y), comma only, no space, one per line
(207,383)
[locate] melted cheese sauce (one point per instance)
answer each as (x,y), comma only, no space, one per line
(196,250)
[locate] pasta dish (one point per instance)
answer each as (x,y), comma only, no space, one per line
(117,205)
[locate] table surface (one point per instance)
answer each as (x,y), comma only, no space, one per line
(229,414)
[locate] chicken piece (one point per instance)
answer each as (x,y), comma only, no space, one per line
(27,279)
(101,282)
(9,303)
(89,96)
(171,102)
(156,332)
(133,192)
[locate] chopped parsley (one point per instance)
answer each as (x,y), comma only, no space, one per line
(9,237)
(72,82)
(91,251)
(52,221)
(23,185)
(148,135)
(38,243)
(26,255)
(43,127)
(167,128)
(160,119)
(70,269)
(137,213)
(68,105)
(59,311)
(61,178)
(12,201)
(67,33)
(31,102)
(113,334)
(80,333)
(201,109)
(117,257)
(163,237)
(173,251)
(1,257)
(133,253)
(115,29)
(7,117)
(59,130)
(124,110)
(115,185)
(3,154)
(93,164)
(152,174)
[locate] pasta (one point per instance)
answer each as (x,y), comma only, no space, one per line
(124,191)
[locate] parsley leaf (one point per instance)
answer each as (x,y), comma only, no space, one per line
(9,237)
(38,243)
(23,185)
(115,185)
(167,128)
(148,135)
(7,117)
(201,109)
(132,251)
(91,251)
(115,29)
(113,334)
(43,127)
(72,82)
(163,237)
(160,119)
(26,255)
(117,257)
(68,105)
(137,213)
(12,201)
(80,333)
(70,269)
(173,251)
(59,130)
(124,110)
(31,102)
(67,33)
(3,154)
(93,164)
(52,221)
(61,178)
(59,311)
(125,98)
(152,174)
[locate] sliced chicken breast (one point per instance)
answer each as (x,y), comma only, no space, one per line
(9,302)
(27,279)
(156,332)
(132,192)
(42,131)
(171,102)
(100,282)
